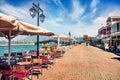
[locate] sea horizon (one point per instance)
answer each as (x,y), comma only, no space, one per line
(15,44)
(17,48)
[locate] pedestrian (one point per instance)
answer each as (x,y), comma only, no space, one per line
(86,43)
(106,47)
(115,48)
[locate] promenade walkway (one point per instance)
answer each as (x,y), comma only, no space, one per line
(84,63)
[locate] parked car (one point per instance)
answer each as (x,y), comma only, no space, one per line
(118,48)
(111,48)
(101,46)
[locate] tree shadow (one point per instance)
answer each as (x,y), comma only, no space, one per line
(117,58)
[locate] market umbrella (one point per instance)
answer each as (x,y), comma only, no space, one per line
(63,37)
(10,27)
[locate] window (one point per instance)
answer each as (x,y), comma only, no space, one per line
(117,27)
(113,28)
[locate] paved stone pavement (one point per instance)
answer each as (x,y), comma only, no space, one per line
(84,63)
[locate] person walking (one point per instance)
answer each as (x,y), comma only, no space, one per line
(106,47)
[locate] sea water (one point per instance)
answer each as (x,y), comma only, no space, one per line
(18,48)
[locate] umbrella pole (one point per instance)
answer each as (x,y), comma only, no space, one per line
(9,44)
(58,41)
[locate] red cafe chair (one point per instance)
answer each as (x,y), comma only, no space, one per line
(37,66)
(6,72)
(20,72)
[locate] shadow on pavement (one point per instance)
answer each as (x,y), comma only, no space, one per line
(117,58)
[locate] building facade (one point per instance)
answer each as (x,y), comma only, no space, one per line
(111,32)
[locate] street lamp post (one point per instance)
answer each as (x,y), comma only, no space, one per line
(33,11)
(70,37)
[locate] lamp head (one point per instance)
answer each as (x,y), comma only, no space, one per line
(42,17)
(32,12)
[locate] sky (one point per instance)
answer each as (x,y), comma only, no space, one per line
(80,17)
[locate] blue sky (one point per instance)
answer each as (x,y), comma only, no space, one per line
(79,17)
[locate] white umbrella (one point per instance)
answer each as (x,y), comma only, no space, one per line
(10,27)
(63,37)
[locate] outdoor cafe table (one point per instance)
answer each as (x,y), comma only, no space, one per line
(24,63)
(26,67)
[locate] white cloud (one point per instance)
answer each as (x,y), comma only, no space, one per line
(93,5)
(62,11)
(78,10)
(81,29)
(58,2)
(94,10)
(78,29)
(6,8)
(54,23)
(115,12)
(100,21)
(59,19)
(60,5)
(21,12)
